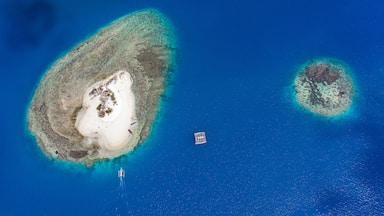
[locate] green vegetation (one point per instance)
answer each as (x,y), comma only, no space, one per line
(98,107)
(109,110)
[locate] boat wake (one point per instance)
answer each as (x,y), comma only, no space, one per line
(121,176)
(121,193)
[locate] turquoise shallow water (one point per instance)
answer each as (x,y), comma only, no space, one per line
(236,63)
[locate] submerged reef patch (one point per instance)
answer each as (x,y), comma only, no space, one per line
(325,87)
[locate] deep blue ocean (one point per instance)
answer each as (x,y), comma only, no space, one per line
(235,66)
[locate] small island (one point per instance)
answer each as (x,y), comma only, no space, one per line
(99,100)
(324,87)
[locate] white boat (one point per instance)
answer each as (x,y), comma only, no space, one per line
(121,173)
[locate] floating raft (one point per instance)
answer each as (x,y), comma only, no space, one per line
(200,138)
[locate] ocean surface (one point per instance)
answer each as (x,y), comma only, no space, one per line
(236,64)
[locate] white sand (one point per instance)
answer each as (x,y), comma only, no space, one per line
(115,129)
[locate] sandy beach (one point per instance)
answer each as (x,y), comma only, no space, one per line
(108,112)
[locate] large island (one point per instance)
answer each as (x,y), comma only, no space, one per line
(100,99)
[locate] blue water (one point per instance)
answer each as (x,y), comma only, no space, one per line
(236,62)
